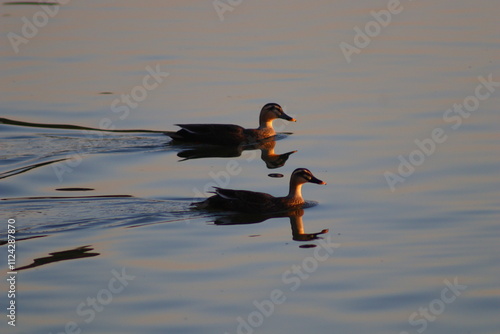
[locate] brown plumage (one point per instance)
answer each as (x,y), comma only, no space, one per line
(230,134)
(257,202)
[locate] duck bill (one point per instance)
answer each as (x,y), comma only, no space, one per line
(287,118)
(317,181)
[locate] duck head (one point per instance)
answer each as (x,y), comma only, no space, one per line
(298,178)
(270,112)
(304,175)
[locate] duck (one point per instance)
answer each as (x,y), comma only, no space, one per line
(258,202)
(231,134)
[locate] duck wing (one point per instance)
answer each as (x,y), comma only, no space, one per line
(244,200)
(221,134)
(242,195)
(203,129)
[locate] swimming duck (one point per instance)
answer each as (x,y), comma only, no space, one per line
(250,201)
(230,134)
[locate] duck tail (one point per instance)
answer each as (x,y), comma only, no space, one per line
(172,134)
(199,205)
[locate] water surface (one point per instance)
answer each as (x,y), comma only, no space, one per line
(107,241)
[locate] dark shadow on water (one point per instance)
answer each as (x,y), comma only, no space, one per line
(71,254)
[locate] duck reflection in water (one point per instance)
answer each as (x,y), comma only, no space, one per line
(295,216)
(266,147)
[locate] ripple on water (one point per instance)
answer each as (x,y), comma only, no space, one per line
(42,215)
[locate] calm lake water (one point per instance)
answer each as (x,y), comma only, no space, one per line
(397,109)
